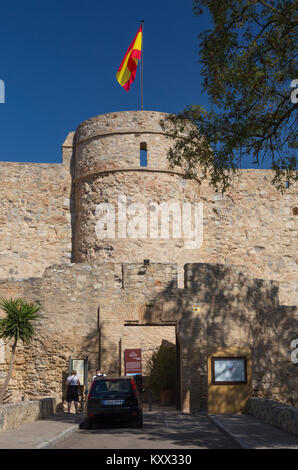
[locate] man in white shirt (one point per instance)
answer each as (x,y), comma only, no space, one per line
(98,374)
(72,393)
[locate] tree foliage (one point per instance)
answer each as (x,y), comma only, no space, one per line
(248,63)
(17,324)
(162,369)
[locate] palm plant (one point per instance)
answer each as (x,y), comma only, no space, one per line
(17,326)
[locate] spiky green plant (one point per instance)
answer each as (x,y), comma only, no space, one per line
(16,326)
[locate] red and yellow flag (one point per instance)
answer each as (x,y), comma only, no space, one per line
(127,71)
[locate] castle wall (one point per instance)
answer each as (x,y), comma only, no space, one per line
(84,309)
(238,311)
(254,226)
(48,211)
(87,310)
(69,326)
(242,280)
(147,338)
(107,165)
(139,187)
(35,222)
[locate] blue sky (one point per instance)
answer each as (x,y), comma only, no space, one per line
(58,60)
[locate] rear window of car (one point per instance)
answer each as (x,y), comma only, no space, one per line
(108,386)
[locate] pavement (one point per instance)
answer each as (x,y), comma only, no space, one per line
(41,434)
(244,431)
(162,429)
(250,433)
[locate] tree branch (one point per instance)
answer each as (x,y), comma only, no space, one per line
(269,6)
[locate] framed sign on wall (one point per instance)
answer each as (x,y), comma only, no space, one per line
(133,361)
(81,367)
(228,370)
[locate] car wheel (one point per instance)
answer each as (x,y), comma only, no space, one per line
(88,424)
(139,422)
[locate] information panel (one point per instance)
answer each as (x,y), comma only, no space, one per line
(133,361)
(228,370)
(79,366)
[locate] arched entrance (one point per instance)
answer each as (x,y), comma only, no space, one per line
(160,355)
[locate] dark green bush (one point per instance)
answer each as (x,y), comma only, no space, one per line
(162,370)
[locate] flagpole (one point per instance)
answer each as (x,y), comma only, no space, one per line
(142,64)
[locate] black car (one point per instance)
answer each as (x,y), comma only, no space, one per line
(114,398)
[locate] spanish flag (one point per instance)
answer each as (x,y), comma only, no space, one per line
(127,71)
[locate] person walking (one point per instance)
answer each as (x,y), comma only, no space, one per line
(72,393)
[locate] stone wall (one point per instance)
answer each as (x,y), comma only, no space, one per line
(243,278)
(272,412)
(47,211)
(107,165)
(147,338)
(14,415)
(239,311)
(255,227)
(152,188)
(112,142)
(68,327)
(35,223)
(88,308)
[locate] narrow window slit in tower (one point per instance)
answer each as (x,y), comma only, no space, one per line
(143,154)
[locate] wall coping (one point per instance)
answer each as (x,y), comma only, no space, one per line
(13,415)
(273,412)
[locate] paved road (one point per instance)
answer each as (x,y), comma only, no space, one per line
(162,430)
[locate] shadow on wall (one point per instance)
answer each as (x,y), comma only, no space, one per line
(233,310)
(230,310)
(73,203)
(46,407)
(89,347)
(60,405)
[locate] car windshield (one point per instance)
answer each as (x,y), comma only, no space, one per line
(101,387)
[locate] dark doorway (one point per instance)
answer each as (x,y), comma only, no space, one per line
(162,343)
(178,373)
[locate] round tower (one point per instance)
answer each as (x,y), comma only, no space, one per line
(121,170)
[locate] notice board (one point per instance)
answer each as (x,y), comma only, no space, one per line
(133,361)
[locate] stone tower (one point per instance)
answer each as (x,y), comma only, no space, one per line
(108,166)
(240,284)
(50,216)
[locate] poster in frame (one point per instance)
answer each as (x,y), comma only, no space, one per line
(229,370)
(79,366)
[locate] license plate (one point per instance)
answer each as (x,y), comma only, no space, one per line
(113,402)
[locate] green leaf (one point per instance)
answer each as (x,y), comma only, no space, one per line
(18,324)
